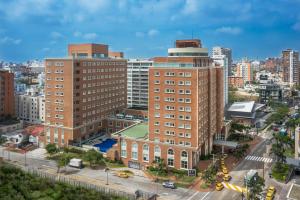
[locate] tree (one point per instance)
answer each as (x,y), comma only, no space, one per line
(160,165)
(282,142)
(93,157)
(209,175)
(255,187)
(63,161)
(51,148)
(240,151)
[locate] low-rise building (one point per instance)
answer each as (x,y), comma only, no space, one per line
(236,81)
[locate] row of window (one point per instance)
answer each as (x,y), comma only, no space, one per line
(84,71)
(180,100)
(58,71)
(180,108)
(172,116)
(157,154)
(179,74)
(116,82)
(181,91)
(98,77)
(104,63)
(170,82)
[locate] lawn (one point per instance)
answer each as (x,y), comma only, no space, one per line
(280,171)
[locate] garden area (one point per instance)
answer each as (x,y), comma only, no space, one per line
(280,171)
(16,184)
(161,173)
(90,158)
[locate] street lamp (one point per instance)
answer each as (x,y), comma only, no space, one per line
(106,170)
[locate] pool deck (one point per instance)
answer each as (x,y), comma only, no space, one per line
(138,131)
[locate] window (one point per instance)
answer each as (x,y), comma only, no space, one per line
(187,82)
(172,133)
(188,144)
(134,151)
(156,89)
(181,108)
(157,153)
(169,74)
(180,100)
(156,131)
(146,152)
(180,82)
(156,123)
(187,100)
(184,160)
(170,157)
(180,91)
(188,74)
(156,74)
(156,98)
(188,109)
(169,91)
(157,106)
(187,126)
(187,135)
(187,91)
(188,117)
(181,135)
(181,74)
(156,115)
(156,82)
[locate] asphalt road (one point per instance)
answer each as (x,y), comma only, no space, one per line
(131,184)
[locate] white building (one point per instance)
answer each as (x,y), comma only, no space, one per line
(30,107)
(217,51)
(222,60)
(137,82)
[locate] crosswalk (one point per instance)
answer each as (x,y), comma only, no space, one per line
(234,187)
(259,159)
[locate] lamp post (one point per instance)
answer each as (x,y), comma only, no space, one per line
(106,170)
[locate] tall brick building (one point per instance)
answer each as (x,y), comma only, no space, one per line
(290,66)
(7,96)
(82,90)
(185,110)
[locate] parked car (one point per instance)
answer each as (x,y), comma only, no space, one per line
(219,186)
(224,170)
(169,184)
(270,193)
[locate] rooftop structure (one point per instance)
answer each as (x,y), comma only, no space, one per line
(136,131)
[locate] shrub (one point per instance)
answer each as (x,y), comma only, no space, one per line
(51,148)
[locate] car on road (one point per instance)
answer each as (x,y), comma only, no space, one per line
(219,186)
(169,184)
(224,170)
(123,175)
(270,193)
(226,177)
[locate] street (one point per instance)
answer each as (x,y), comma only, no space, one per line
(129,185)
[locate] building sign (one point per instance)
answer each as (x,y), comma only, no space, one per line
(134,165)
(192,172)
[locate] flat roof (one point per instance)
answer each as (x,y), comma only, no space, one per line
(246,106)
(136,131)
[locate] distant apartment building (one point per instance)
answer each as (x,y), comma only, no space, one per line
(30,106)
(222,60)
(137,82)
(290,66)
(245,70)
(236,81)
(185,110)
(115,54)
(80,91)
(218,51)
(7,106)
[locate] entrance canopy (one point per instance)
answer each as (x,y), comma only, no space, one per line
(225,143)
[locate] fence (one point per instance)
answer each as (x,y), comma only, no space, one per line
(78,183)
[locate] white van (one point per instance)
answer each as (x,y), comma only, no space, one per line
(75,162)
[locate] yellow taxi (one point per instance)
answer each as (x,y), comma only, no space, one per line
(224,170)
(123,175)
(270,193)
(219,186)
(226,177)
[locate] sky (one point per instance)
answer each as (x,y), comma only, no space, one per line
(36,29)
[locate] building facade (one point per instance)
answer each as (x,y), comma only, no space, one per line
(185,110)
(7,94)
(290,66)
(137,82)
(218,51)
(222,60)
(244,69)
(81,91)
(236,81)
(29,106)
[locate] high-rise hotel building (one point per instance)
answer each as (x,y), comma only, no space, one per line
(290,65)
(80,91)
(185,110)
(7,95)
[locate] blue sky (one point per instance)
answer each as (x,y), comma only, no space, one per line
(35,29)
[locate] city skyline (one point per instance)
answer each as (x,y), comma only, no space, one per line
(143,29)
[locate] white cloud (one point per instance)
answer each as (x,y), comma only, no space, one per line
(190,7)
(229,30)
(296,26)
(9,40)
(90,36)
(56,35)
(153,32)
(139,34)
(77,34)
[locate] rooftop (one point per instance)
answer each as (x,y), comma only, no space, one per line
(137,131)
(242,106)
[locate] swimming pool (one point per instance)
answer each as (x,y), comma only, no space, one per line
(106,145)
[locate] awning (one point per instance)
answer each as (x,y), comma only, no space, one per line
(226,143)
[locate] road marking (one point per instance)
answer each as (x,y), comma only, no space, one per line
(233,187)
(259,159)
(205,196)
(193,195)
